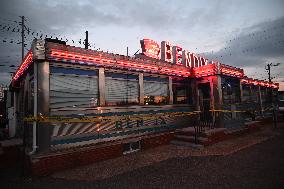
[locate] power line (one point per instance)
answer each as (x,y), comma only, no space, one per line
(23,36)
(28,32)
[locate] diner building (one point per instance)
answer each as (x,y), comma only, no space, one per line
(74,106)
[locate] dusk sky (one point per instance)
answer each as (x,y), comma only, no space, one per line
(246,34)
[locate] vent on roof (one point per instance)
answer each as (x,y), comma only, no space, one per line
(55,41)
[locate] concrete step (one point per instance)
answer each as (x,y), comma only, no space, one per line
(187,144)
(236,130)
(190,138)
(214,131)
(189,132)
(251,122)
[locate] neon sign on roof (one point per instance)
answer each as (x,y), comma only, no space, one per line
(150,48)
(171,54)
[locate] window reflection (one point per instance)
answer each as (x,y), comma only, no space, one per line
(156,91)
(121,89)
(181,91)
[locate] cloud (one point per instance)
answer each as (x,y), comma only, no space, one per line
(253,48)
(191,24)
(261,41)
(159,15)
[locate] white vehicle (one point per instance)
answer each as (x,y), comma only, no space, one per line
(281,102)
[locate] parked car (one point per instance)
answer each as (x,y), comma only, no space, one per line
(281,102)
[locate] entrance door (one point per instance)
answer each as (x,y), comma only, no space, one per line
(204,102)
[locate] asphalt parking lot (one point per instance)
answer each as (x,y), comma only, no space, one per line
(258,166)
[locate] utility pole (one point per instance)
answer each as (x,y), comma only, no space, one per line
(86,40)
(268,68)
(127,51)
(23,37)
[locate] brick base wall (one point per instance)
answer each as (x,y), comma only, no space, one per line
(157,140)
(10,156)
(47,164)
(221,136)
(55,162)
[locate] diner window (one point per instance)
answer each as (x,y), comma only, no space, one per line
(73,88)
(264,94)
(181,91)
(246,93)
(121,89)
(156,90)
(254,93)
(231,90)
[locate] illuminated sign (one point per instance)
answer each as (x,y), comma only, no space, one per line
(187,59)
(177,55)
(172,54)
(166,52)
(150,48)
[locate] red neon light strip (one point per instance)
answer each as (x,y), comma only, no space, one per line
(259,83)
(25,64)
(111,62)
(231,71)
(207,70)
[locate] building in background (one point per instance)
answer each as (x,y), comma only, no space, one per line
(3,112)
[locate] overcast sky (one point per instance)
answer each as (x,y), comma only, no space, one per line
(246,34)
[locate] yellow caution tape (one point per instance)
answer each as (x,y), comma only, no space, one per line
(228,111)
(59,119)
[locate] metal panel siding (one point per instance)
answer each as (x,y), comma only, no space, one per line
(141,89)
(102,96)
(75,134)
(171,90)
(44,130)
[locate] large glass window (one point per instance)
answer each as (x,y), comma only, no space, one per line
(181,90)
(121,89)
(246,93)
(156,90)
(264,94)
(73,88)
(254,93)
(231,90)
